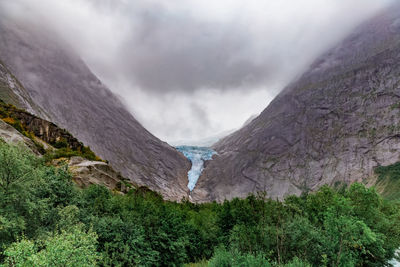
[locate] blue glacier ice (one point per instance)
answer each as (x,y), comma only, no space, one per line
(197,155)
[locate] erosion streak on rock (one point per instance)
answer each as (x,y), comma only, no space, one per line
(61,84)
(333,125)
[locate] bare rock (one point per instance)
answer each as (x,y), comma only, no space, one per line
(86,172)
(61,84)
(10,135)
(333,125)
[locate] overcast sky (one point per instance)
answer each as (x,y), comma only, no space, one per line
(189,69)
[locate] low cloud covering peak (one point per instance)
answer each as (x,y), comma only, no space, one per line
(188,69)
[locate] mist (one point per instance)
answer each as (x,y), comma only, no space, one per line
(191,69)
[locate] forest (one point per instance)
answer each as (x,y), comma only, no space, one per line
(46,220)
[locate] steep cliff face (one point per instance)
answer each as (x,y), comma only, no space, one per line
(12,92)
(333,125)
(44,138)
(60,84)
(45,130)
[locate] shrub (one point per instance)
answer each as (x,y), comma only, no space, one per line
(61,143)
(75,248)
(224,258)
(67,152)
(14,123)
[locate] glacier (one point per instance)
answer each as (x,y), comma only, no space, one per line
(197,155)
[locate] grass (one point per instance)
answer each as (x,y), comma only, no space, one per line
(388,182)
(203,263)
(67,152)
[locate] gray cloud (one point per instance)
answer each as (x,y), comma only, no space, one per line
(176,51)
(185,54)
(188,69)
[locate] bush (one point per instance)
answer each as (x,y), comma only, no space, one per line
(62,143)
(296,262)
(75,248)
(14,123)
(224,258)
(67,152)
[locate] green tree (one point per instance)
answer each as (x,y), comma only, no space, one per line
(31,195)
(17,166)
(75,248)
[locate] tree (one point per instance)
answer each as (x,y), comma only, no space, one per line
(16,166)
(74,248)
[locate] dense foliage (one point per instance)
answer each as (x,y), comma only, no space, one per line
(389,181)
(46,221)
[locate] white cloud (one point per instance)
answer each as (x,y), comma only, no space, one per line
(187,68)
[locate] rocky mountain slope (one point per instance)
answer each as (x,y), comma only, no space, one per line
(12,92)
(64,90)
(10,135)
(57,146)
(333,125)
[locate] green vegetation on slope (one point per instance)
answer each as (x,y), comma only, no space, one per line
(8,113)
(46,221)
(389,181)
(66,152)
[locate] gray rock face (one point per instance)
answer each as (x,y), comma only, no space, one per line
(334,124)
(60,83)
(9,135)
(12,92)
(85,172)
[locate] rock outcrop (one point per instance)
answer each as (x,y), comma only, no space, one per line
(45,130)
(61,84)
(86,172)
(10,135)
(333,125)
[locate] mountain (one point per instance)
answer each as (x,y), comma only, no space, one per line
(12,91)
(56,84)
(58,147)
(333,125)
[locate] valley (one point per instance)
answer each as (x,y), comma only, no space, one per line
(313,180)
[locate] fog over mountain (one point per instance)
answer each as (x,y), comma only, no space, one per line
(190,69)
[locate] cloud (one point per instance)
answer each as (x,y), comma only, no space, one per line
(188,69)
(184,54)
